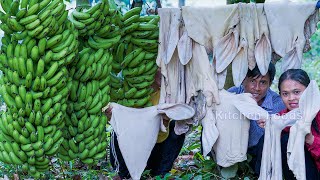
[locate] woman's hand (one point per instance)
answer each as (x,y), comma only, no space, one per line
(261,123)
(309,139)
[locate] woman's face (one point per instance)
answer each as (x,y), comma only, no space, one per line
(290,92)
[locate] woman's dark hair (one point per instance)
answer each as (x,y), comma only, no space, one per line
(300,76)
(255,72)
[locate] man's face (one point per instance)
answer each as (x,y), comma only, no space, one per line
(257,86)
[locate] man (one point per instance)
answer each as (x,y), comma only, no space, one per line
(259,86)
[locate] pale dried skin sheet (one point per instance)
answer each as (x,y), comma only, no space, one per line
(286,22)
(170,20)
(199,77)
(218,29)
(200,74)
(132,125)
(210,132)
(310,106)
(219,78)
(211,23)
(185,48)
(248,32)
(291,60)
(271,167)
(173,82)
(222,78)
(231,145)
(239,68)
(226,49)
(173,87)
(263,49)
(131,129)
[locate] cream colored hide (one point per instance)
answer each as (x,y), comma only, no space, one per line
(263,49)
(248,33)
(309,107)
(198,74)
(172,70)
(172,35)
(232,33)
(172,81)
(239,34)
(137,131)
(172,57)
(185,47)
(233,128)
(173,87)
(168,33)
(300,118)
(287,25)
(215,28)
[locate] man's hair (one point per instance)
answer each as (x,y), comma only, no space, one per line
(255,72)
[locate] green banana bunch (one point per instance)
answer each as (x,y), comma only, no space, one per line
(35,19)
(84,133)
(134,65)
(93,20)
(39,44)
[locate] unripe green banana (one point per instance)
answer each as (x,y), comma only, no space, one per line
(36,31)
(14,25)
(131,12)
(54,41)
(103,43)
(131,20)
(137,60)
(35,55)
(34,9)
(130,57)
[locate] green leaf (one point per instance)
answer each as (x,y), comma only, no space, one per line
(199,177)
(194,146)
(229,172)
(187,176)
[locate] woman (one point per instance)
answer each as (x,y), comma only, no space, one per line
(291,85)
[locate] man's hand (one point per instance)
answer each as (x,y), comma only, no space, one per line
(166,120)
(309,139)
(108,112)
(261,123)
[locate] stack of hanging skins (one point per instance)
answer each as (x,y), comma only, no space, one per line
(245,35)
